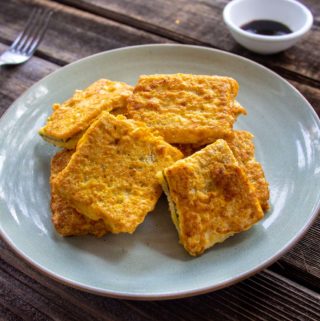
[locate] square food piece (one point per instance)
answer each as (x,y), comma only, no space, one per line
(210,197)
(112,174)
(242,147)
(70,119)
(66,220)
(186,108)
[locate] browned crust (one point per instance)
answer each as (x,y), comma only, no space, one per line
(243,149)
(66,220)
(187,109)
(242,146)
(257,178)
(77,113)
(111,176)
(212,194)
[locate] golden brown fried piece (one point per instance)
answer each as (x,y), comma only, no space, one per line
(112,174)
(242,147)
(257,178)
(186,109)
(210,197)
(70,119)
(66,220)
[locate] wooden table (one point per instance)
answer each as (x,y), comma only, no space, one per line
(287,290)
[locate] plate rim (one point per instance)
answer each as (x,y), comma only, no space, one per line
(172,294)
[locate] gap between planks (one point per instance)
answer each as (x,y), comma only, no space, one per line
(177,37)
(277,297)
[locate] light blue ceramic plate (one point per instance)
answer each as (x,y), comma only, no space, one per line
(150,264)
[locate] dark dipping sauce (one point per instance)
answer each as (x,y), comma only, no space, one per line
(266,28)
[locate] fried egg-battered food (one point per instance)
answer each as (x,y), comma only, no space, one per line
(112,174)
(70,119)
(242,146)
(187,109)
(66,220)
(257,178)
(210,197)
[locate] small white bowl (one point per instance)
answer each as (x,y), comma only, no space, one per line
(289,12)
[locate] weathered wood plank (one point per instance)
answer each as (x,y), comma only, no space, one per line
(104,34)
(28,301)
(5,103)
(303,257)
(37,297)
(7,315)
(263,297)
(73,34)
(312,94)
(200,22)
(78,304)
(14,302)
(15,80)
(314,7)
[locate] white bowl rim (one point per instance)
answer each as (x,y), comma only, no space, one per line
(296,34)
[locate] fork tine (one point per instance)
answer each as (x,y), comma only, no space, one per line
(33,27)
(17,45)
(39,31)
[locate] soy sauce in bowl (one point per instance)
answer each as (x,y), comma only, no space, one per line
(266,28)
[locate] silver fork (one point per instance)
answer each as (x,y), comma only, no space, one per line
(28,40)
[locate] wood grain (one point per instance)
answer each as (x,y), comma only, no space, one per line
(266,296)
(15,80)
(314,7)
(200,23)
(7,315)
(303,257)
(101,34)
(72,34)
(312,94)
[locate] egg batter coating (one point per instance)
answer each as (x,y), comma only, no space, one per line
(243,149)
(210,197)
(242,146)
(66,220)
(70,119)
(187,109)
(258,180)
(112,174)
